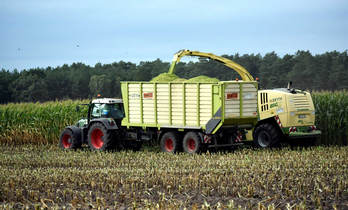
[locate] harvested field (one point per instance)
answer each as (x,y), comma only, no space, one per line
(44,176)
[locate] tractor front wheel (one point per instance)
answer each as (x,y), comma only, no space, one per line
(69,140)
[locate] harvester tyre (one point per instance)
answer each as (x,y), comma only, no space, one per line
(170,142)
(192,143)
(99,138)
(69,140)
(266,135)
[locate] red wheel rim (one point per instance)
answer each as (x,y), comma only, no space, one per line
(169,145)
(191,145)
(66,141)
(96,138)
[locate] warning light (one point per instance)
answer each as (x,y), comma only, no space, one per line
(237,79)
(257,79)
(98,95)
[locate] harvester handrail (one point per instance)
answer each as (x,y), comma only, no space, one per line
(246,76)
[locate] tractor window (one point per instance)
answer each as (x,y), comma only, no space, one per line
(96,111)
(108,110)
(114,111)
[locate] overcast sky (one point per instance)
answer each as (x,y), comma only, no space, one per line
(41,33)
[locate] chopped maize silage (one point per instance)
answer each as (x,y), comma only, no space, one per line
(180,80)
(203,79)
(165,77)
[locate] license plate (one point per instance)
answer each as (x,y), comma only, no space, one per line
(301,116)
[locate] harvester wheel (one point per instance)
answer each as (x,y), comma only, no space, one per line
(170,142)
(266,135)
(192,143)
(99,138)
(69,140)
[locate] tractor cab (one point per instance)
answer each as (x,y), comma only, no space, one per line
(103,108)
(106,108)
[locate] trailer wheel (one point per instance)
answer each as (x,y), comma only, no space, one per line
(170,142)
(69,140)
(192,143)
(266,135)
(99,138)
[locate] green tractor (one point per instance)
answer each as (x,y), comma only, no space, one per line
(101,130)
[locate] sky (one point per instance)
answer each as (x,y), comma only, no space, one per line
(42,33)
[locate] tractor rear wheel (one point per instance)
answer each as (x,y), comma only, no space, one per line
(266,135)
(99,138)
(170,142)
(69,140)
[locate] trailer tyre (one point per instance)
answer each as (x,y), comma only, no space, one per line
(266,135)
(99,138)
(69,140)
(192,143)
(170,142)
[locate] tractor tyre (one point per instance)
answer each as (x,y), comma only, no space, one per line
(170,142)
(192,143)
(99,138)
(266,135)
(69,140)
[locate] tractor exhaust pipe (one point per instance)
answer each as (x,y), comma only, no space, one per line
(289,84)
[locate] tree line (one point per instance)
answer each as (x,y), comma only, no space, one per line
(327,71)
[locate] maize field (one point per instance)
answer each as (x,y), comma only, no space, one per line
(332,116)
(41,123)
(37,123)
(34,177)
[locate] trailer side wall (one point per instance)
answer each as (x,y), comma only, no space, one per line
(187,105)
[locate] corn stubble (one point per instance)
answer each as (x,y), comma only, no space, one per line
(44,176)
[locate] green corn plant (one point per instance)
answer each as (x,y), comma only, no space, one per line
(38,123)
(332,116)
